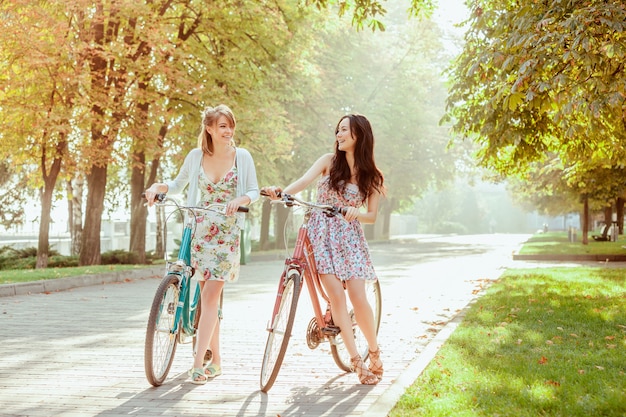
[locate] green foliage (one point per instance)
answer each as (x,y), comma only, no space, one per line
(26,258)
(542,79)
(449,227)
(540,342)
(59,261)
(557,243)
(119,257)
(13,276)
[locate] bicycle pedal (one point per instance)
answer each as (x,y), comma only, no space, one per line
(331,330)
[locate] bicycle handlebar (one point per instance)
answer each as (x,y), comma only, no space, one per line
(162,197)
(289,200)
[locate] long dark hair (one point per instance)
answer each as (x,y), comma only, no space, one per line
(369,177)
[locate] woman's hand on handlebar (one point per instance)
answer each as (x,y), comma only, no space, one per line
(155,189)
(349,213)
(233,206)
(272,192)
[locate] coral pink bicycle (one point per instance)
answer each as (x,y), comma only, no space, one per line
(299,269)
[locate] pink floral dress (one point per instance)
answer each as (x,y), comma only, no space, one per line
(339,246)
(215,244)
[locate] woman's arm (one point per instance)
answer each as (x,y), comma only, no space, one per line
(368,217)
(252,185)
(319,167)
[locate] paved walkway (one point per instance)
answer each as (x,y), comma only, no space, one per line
(79,352)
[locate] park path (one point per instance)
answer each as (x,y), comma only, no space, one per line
(80,352)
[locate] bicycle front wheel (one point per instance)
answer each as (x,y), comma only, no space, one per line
(338,348)
(160,344)
(280,331)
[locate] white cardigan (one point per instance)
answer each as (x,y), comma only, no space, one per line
(246,182)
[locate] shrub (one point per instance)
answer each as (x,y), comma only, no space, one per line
(59,261)
(119,257)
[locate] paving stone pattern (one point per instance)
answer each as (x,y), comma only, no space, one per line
(79,352)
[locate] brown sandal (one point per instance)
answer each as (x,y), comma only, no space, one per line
(376,365)
(365,376)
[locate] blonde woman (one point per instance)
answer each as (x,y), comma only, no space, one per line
(216,172)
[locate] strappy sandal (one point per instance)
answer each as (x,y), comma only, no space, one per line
(366,377)
(212,371)
(376,365)
(197,376)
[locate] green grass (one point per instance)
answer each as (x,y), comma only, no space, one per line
(540,342)
(13,276)
(557,243)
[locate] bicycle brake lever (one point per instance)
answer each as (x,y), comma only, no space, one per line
(159,198)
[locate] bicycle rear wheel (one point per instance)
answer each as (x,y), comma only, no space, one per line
(160,345)
(280,331)
(338,348)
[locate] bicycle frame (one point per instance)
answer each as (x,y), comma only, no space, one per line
(187,306)
(302,260)
(300,269)
(175,311)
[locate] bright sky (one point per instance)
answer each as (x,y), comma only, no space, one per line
(449,13)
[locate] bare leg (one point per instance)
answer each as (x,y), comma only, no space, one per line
(214,345)
(339,309)
(341,318)
(210,296)
(363,311)
(365,319)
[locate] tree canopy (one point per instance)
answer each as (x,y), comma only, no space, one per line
(112,91)
(542,76)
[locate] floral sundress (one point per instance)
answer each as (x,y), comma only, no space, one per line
(339,246)
(215,244)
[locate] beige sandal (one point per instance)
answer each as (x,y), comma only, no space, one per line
(376,365)
(366,377)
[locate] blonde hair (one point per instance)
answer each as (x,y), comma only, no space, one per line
(210,115)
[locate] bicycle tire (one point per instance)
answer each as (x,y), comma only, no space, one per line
(338,349)
(280,332)
(160,345)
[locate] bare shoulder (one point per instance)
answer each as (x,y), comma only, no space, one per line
(324,163)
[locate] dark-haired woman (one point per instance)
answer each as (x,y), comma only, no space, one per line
(346,178)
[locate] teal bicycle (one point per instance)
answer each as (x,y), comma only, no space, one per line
(175,309)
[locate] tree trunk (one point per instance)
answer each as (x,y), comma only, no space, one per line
(161,233)
(608,215)
(585,221)
(43,246)
(387,208)
(90,246)
(266,214)
(138,211)
(619,209)
(138,184)
(282,214)
(47,194)
(101,142)
(75,212)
